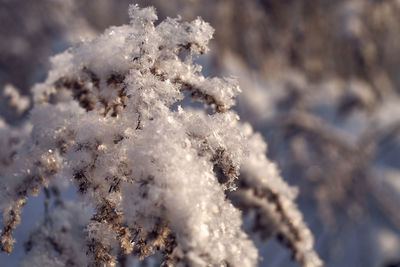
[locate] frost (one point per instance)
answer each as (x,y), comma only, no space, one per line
(20,103)
(156,176)
(58,241)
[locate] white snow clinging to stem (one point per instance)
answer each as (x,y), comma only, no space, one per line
(158,174)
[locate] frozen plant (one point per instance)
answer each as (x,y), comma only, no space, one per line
(111,118)
(59,233)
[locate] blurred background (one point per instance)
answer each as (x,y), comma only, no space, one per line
(320,81)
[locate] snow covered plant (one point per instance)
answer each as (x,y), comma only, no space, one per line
(112,118)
